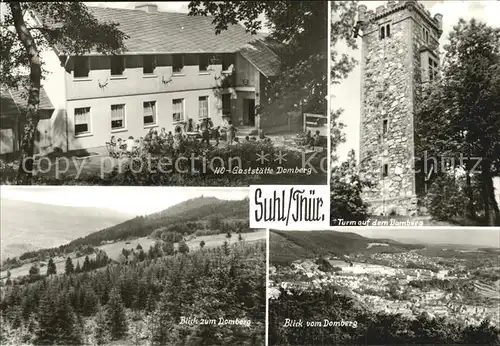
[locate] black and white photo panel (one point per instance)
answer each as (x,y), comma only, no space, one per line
(130,266)
(415,109)
(372,286)
(165,93)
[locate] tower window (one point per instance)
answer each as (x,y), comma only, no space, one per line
(433,69)
(385,170)
(385,31)
(385,126)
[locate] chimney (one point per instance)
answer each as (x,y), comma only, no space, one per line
(148,8)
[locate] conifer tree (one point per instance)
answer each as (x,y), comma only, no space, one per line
(68,268)
(51,267)
(90,301)
(86,264)
(116,318)
(78,269)
(34,270)
(225,248)
(101,333)
(183,247)
(168,248)
(57,321)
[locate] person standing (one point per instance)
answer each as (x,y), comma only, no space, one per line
(231,132)
(205,132)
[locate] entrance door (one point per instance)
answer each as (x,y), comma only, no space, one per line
(249,108)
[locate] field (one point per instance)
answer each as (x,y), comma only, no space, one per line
(114,250)
(488,291)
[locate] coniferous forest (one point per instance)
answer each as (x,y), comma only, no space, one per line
(142,302)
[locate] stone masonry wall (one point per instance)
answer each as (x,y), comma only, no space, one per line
(390,79)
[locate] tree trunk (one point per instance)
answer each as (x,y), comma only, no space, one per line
(486,182)
(471,212)
(493,201)
(32,118)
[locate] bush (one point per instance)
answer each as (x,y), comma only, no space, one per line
(446,199)
(197,168)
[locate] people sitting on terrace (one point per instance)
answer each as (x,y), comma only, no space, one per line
(216,135)
(205,131)
(178,140)
(130,144)
(170,138)
(190,125)
(309,140)
(149,135)
(318,141)
(163,133)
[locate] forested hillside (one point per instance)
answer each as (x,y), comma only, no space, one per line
(142,301)
(205,215)
(286,247)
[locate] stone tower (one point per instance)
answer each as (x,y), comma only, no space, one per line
(400,52)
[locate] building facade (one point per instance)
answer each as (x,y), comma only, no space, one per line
(173,68)
(400,52)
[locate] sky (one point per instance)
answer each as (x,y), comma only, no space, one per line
(346,95)
(129,200)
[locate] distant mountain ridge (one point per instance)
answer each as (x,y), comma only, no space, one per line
(288,246)
(193,210)
(22,222)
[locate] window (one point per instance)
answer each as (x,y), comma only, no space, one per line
(385,126)
(433,69)
(81,69)
(226,104)
(117,65)
(227,61)
(385,31)
(149,113)
(117,117)
(203,62)
(178,63)
(203,107)
(148,64)
(385,170)
(425,35)
(178,110)
(82,120)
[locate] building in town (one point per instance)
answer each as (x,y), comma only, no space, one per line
(174,68)
(400,43)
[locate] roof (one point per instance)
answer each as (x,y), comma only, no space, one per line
(262,57)
(178,33)
(170,32)
(13,101)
